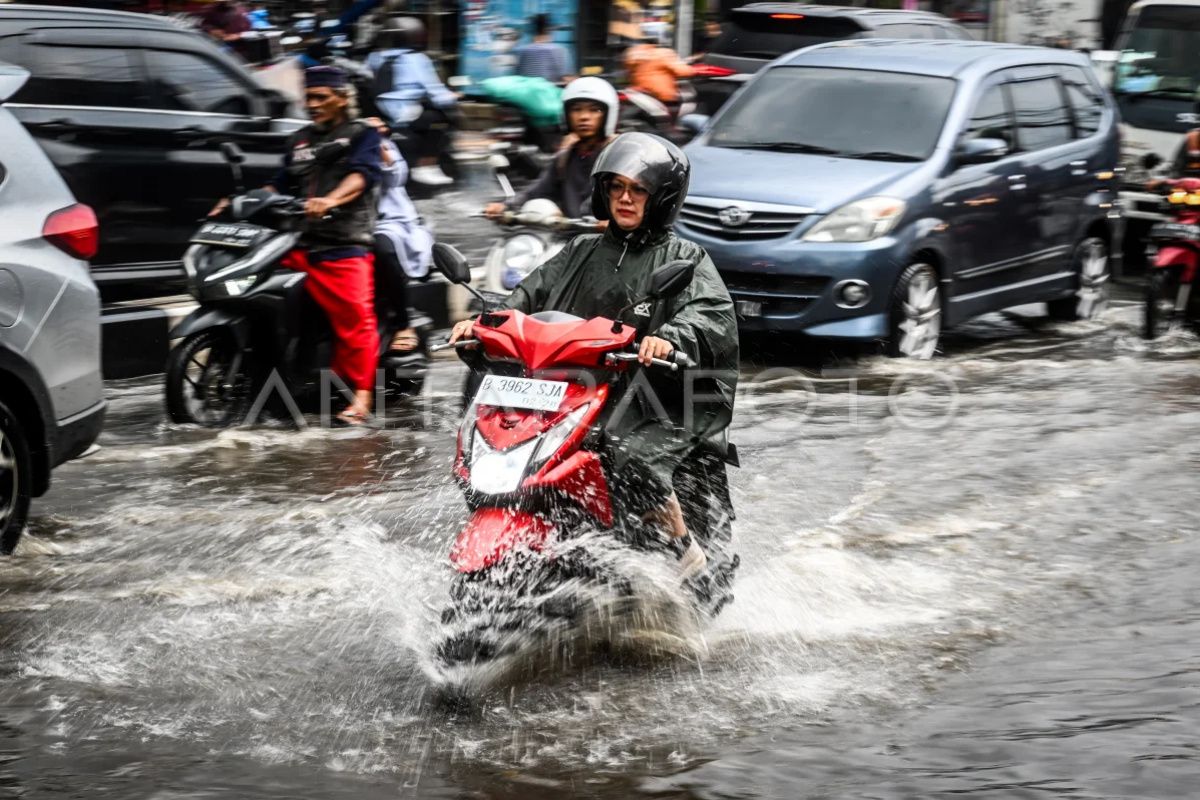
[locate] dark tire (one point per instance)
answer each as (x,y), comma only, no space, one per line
(915,314)
(200,388)
(16,480)
(1158,304)
(1090,297)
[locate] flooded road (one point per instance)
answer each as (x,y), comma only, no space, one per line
(970,576)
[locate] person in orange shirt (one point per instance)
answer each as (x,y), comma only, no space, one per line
(656,71)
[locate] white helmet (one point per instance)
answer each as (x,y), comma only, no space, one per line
(599,91)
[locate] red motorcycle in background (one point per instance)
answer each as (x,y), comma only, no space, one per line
(1174,253)
(531,464)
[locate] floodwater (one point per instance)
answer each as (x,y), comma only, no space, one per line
(973,576)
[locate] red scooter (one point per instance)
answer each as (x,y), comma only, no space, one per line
(1174,252)
(531,462)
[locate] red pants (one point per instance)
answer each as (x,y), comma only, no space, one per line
(345,289)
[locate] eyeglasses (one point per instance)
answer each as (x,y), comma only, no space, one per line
(636,192)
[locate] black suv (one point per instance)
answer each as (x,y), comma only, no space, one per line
(131,109)
(758,33)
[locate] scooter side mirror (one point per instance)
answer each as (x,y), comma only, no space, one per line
(232,153)
(451,263)
(498,162)
(671,279)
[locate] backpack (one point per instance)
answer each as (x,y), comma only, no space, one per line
(385,76)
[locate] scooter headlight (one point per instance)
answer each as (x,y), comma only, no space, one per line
(521,254)
(239,286)
(860,221)
(498,471)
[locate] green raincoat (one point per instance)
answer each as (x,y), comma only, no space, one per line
(597,275)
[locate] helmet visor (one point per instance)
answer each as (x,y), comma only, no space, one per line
(639,158)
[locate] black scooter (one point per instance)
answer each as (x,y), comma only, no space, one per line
(257,338)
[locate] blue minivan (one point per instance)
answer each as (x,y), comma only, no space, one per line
(884,190)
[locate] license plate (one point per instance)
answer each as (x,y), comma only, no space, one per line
(226,234)
(1175,230)
(527,393)
(748,308)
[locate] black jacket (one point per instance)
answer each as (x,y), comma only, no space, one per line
(316,162)
(566,181)
(596,275)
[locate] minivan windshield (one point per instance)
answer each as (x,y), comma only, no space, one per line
(852,113)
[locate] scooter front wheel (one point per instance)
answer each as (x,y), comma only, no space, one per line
(1162,288)
(209,380)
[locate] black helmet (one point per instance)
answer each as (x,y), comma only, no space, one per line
(401,33)
(653,162)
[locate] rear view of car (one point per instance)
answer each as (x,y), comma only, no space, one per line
(51,391)
(756,34)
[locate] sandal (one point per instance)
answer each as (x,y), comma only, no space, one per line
(349,418)
(406,341)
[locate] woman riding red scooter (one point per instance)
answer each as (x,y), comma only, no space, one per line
(639,183)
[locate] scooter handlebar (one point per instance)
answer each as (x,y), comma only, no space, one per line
(674,360)
(459,344)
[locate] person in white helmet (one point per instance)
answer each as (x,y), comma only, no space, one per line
(591,106)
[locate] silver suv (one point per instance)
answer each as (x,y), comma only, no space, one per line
(51,390)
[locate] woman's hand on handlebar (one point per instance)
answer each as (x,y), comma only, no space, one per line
(653,347)
(462,330)
(221,205)
(494,210)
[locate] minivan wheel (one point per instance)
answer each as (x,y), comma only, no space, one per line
(16,480)
(203,385)
(916,314)
(1091,289)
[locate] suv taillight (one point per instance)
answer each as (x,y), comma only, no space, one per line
(73,230)
(709,71)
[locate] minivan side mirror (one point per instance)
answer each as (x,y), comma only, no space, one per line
(1151,160)
(693,123)
(671,279)
(451,263)
(980,151)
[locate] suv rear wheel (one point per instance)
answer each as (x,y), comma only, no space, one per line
(16,476)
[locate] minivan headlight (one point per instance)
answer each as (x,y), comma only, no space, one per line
(860,221)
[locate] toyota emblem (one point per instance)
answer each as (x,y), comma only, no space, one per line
(733,216)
